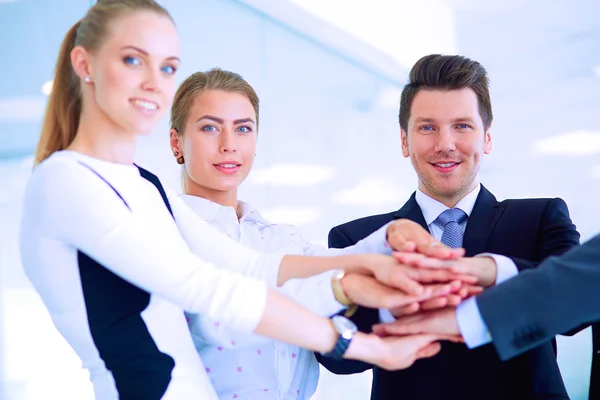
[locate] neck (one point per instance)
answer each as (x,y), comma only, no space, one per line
(449,200)
(224,198)
(99,137)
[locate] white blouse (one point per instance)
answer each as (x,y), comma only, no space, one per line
(248,366)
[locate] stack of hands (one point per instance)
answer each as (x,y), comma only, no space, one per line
(421,284)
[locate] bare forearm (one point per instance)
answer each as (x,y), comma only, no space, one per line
(286,321)
(294,267)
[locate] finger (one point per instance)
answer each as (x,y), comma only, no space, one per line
(401,328)
(437,302)
(408,309)
(428,351)
(474,289)
(427,275)
(408,258)
(429,262)
(453,300)
(452,338)
(438,250)
(398,279)
(471,279)
(408,247)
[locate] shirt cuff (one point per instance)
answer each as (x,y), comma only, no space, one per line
(376,242)
(471,325)
(505,267)
(385,316)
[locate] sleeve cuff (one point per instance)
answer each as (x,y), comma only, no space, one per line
(505,267)
(471,325)
(376,242)
(385,316)
(314,293)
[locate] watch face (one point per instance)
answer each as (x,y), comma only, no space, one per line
(344,326)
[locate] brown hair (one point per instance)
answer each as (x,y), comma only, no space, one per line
(438,72)
(64,105)
(214,79)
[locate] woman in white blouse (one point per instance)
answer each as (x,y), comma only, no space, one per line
(214,125)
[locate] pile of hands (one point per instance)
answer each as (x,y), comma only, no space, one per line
(421,284)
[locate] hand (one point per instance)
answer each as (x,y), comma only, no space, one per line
(388,271)
(394,353)
(451,299)
(368,292)
(440,322)
(408,236)
(483,268)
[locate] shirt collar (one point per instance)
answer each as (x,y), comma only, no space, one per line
(432,208)
(209,210)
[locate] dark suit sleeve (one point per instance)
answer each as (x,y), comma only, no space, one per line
(559,295)
(557,234)
(364,318)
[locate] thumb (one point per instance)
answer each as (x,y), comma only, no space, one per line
(428,351)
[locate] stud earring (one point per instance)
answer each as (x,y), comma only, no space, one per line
(87,79)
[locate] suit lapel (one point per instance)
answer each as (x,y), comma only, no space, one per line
(411,210)
(481,222)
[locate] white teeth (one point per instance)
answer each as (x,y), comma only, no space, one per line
(445,165)
(145,104)
(228,165)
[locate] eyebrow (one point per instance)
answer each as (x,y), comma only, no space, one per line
(144,52)
(221,120)
(430,120)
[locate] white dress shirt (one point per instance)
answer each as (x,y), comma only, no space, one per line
(249,366)
(506,268)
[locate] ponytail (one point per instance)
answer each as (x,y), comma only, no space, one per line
(64,105)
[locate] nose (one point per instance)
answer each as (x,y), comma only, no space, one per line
(151,80)
(446,142)
(228,143)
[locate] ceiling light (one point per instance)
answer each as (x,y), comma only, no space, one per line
(371,193)
(291,175)
(22,109)
(575,143)
(47,88)
(297,216)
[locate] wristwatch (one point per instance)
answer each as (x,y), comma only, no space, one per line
(346,330)
(340,295)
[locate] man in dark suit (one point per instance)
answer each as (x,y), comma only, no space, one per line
(445,120)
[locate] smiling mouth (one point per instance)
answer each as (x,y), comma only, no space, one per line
(228,165)
(445,165)
(145,104)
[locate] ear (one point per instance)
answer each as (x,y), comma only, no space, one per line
(487,144)
(80,60)
(404,139)
(175,142)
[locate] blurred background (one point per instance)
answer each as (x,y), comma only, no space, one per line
(329,74)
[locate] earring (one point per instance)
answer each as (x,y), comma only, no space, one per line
(179,159)
(87,79)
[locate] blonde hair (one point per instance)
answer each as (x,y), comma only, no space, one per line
(199,82)
(63,111)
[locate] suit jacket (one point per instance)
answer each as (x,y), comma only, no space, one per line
(559,295)
(527,231)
